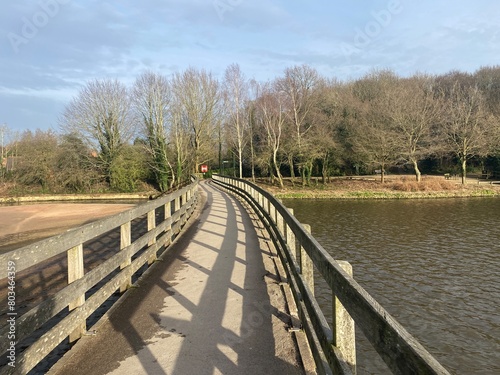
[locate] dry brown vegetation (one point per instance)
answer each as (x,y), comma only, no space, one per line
(394,187)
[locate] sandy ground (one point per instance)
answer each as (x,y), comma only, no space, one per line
(21,225)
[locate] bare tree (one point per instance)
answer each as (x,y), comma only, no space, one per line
(326,116)
(298,84)
(180,137)
(374,135)
(151,99)
(251,118)
(3,140)
(6,145)
(272,119)
(488,80)
(198,96)
(414,109)
(468,127)
(100,114)
(236,95)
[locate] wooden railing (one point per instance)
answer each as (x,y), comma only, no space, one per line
(112,274)
(332,344)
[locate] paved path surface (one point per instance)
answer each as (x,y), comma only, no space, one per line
(211,306)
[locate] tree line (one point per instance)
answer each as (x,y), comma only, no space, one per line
(298,125)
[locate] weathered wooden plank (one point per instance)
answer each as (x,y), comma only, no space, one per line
(75,272)
(48,341)
(343,329)
(125,241)
(151,226)
(323,337)
(290,239)
(33,319)
(306,264)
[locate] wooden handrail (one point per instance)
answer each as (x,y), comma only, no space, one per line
(400,351)
(158,236)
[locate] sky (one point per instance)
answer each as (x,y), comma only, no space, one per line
(49,49)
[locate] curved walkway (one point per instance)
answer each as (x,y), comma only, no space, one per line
(212,305)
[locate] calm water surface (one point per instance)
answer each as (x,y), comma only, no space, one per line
(433,264)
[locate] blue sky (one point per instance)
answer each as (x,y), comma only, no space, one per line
(50,48)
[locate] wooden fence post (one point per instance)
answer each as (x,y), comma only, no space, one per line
(306,264)
(280,224)
(177,204)
(343,326)
(151,226)
(125,240)
(290,239)
(76,271)
(168,214)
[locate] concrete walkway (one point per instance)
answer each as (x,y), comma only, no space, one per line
(210,306)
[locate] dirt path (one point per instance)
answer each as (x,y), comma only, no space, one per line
(21,225)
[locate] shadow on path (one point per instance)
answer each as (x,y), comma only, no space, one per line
(203,309)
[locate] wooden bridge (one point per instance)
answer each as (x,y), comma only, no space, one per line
(214,278)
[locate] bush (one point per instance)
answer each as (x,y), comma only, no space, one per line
(430,184)
(128,170)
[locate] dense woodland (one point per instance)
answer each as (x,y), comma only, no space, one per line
(156,133)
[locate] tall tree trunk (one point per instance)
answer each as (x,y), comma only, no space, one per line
(277,168)
(324,169)
(292,172)
(252,153)
(240,157)
(302,169)
(464,169)
(418,174)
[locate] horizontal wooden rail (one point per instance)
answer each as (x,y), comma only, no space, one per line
(117,271)
(299,250)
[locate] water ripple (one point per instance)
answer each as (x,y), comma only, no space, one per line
(433,264)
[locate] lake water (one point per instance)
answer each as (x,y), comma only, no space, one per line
(433,264)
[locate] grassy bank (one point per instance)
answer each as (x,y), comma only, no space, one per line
(73,197)
(12,193)
(395,187)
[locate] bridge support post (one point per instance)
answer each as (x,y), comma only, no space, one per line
(125,240)
(76,271)
(343,326)
(306,264)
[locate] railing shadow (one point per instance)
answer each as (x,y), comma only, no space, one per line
(201,309)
